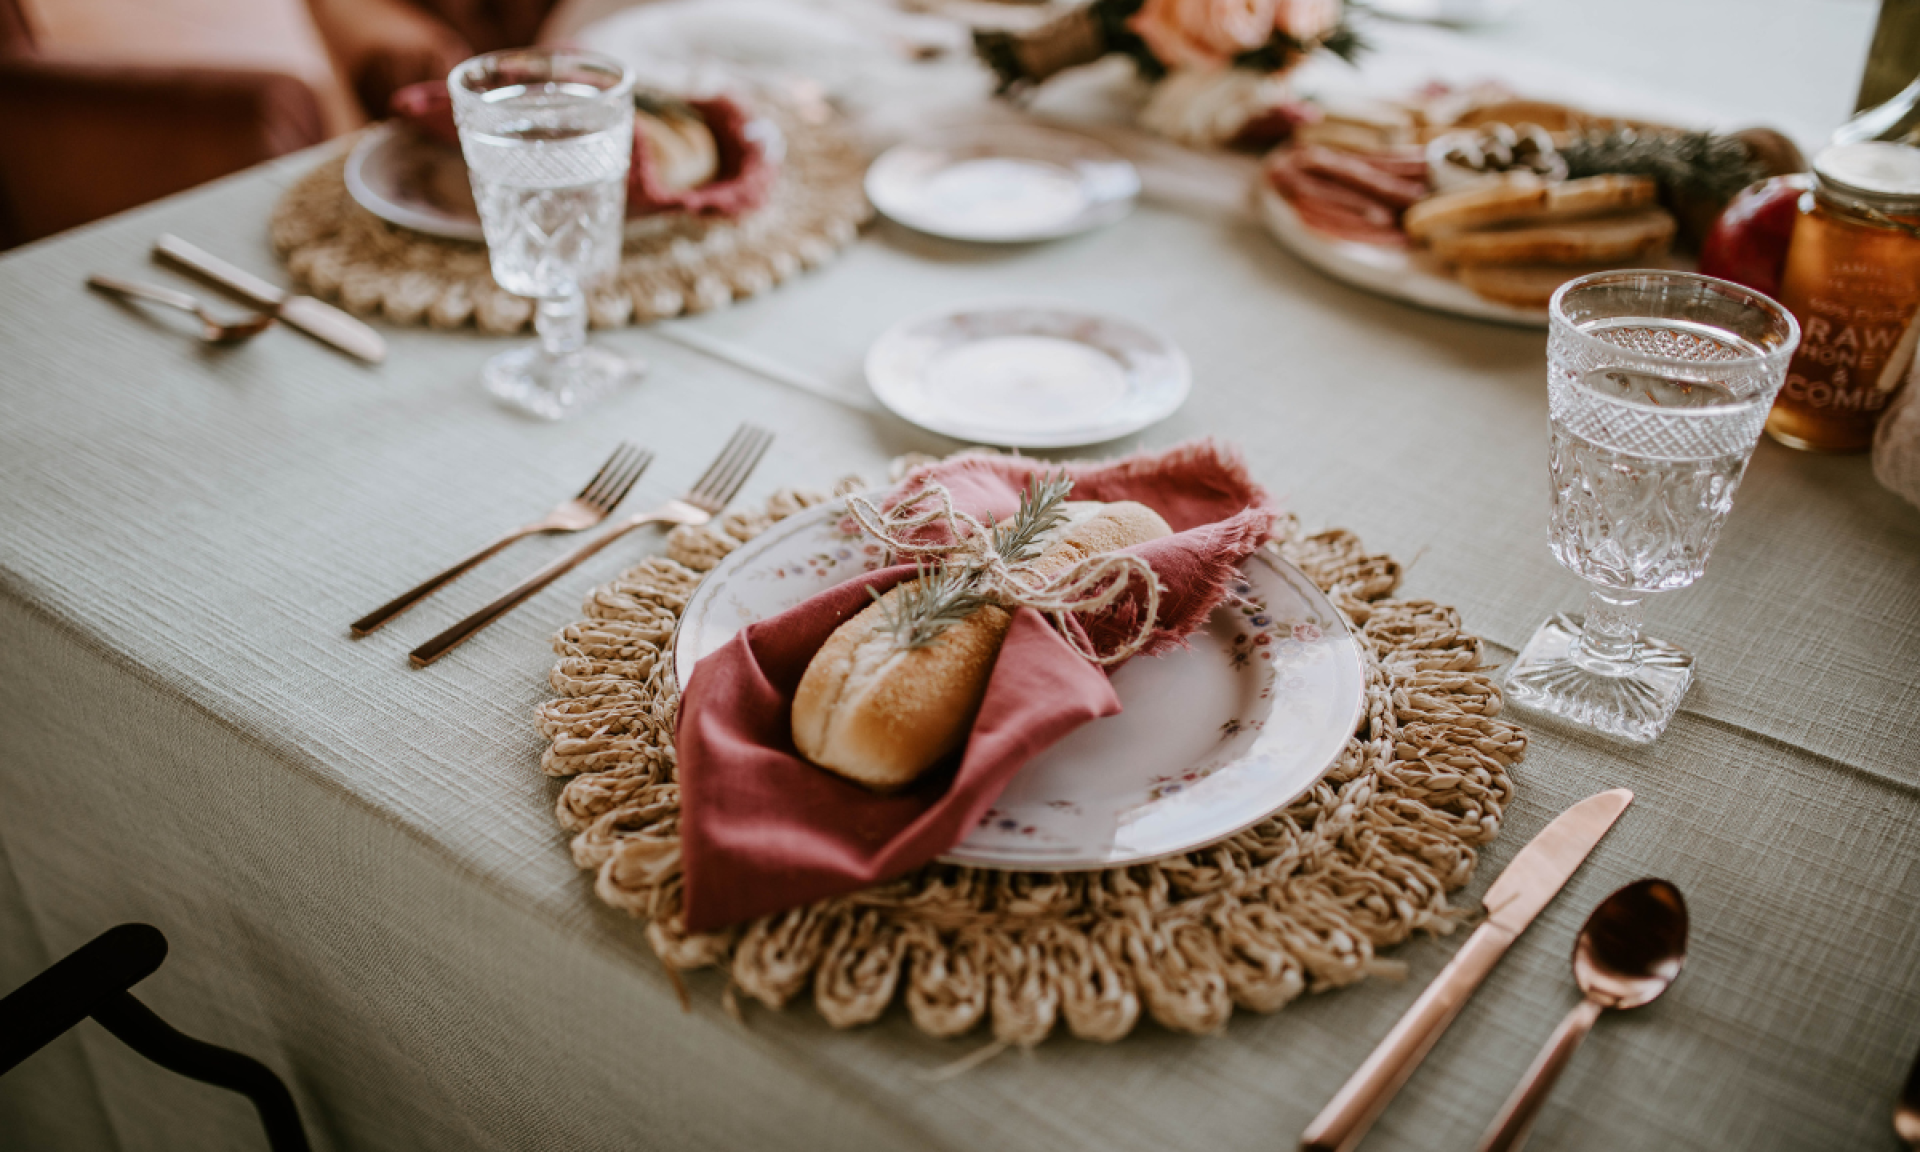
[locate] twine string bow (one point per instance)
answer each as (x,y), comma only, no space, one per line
(1087,586)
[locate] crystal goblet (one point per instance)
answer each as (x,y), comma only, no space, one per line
(548,138)
(1658,384)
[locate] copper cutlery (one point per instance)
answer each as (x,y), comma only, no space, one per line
(1906,1113)
(1630,951)
(1533,878)
(595,503)
(213,329)
(320,320)
(701,503)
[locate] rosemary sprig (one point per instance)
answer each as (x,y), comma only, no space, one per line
(1682,163)
(1041,511)
(938,598)
(944,595)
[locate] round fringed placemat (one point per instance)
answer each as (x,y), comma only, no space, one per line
(676,264)
(1300,902)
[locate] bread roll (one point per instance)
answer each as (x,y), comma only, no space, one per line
(880,715)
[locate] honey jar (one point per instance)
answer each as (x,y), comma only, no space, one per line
(1853,282)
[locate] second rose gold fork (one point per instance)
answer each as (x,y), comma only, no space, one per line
(705,500)
(595,503)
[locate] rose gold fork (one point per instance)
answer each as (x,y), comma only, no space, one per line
(595,503)
(701,503)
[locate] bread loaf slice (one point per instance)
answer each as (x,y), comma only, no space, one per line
(1522,285)
(1522,199)
(880,715)
(1635,234)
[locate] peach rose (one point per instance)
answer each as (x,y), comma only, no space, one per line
(1202,33)
(1306,20)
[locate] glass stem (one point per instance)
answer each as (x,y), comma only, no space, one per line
(1610,635)
(561,322)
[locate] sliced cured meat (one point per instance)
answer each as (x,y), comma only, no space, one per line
(1301,187)
(1344,226)
(1358,173)
(1333,208)
(1407,163)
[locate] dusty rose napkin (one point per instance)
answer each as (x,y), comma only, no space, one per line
(763,830)
(744,177)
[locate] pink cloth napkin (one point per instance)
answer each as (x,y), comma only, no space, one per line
(763,830)
(741,183)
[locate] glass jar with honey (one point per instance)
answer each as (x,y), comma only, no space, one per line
(1853,282)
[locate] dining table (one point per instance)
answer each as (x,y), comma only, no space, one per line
(357,865)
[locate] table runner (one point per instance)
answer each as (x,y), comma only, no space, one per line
(1299,902)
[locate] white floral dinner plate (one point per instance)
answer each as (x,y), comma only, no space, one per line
(1213,739)
(1028,375)
(1008,184)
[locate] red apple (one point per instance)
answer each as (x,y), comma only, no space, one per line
(1748,243)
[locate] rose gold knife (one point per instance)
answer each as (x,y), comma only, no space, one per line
(1534,877)
(317,319)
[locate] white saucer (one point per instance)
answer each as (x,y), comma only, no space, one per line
(1028,375)
(1009,184)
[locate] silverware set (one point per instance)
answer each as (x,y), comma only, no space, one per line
(320,320)
(1630,951)
(213,328)
(591,507)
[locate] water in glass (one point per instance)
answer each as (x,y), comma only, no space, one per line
(1655,399)
(552,197)
(1643,467)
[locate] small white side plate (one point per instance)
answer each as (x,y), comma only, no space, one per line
(1006,185)
(1028,375)
(1214,737)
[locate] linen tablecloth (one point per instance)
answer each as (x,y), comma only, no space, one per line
(357,865)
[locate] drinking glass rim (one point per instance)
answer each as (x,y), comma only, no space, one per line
(1753,297)
(622,87)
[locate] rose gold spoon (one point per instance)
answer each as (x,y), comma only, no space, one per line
(1906,1114)
(212,329)
(1629,953)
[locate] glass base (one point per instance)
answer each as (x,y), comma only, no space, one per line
(1626,702)
(555,387)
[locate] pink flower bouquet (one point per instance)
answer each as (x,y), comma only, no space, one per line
(1163,36)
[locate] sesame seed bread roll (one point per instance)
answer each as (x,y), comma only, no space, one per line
(880,715)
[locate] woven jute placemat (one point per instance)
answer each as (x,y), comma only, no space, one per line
(670,265)
(1300,902)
